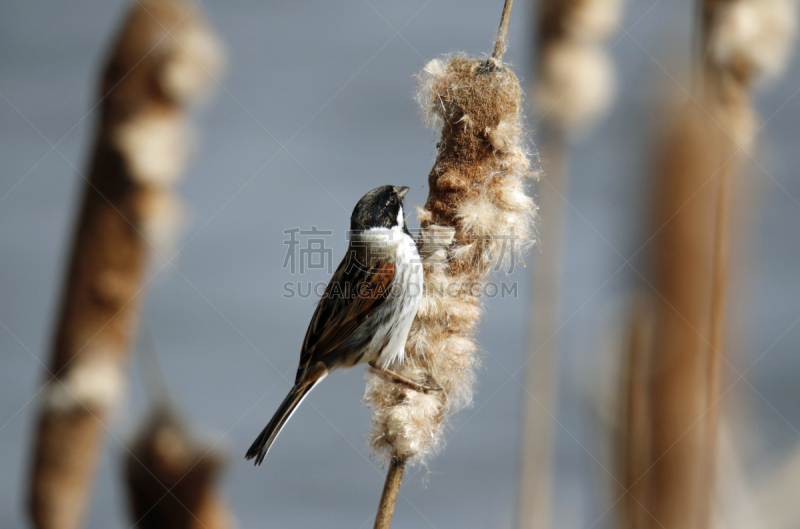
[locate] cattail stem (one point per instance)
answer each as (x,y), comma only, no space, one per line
(536,458)
(391,488)
(634,453)
(500,43)
(719,85)
(572,89)
(682,281)
(730,58)
(716,354)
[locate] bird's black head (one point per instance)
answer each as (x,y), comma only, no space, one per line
(380,208)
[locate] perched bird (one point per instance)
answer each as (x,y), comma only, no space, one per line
(367,309)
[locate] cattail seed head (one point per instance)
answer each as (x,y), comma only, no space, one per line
(576,84)
(164,55)
(754,37)
(575,81)
(476,205)
(594,20)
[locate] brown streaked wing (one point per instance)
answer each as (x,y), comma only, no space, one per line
(335,320)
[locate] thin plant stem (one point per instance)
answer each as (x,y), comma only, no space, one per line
(634,448)
(712,81)
(719,293)
(536,481)
(500,43)
(394,478)
(683,256)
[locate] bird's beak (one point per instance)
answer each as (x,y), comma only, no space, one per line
(401,191)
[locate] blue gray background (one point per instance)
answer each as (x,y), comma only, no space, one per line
(318,108)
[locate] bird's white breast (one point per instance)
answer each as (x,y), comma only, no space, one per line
(400,309)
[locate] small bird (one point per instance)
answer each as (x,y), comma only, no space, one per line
(367,309)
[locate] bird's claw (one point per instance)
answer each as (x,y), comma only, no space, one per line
(416,386)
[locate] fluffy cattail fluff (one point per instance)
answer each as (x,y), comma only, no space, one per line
(575,81)
(744,41)
(171,479)
(753,36)
(476,205)
(160,61)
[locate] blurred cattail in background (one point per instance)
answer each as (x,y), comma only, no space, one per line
(683,256)
(743,41)
(171,478)
(573,89)
(575,76)
(160,61)
(476,207)
(700,151)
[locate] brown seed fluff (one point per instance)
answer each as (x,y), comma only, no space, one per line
(476,208)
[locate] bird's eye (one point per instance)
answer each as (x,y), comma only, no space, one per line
(392,201)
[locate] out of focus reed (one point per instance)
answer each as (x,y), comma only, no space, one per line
(572,90)
(158,63)
(171,478)
(703,145)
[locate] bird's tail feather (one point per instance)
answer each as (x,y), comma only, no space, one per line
(263,442)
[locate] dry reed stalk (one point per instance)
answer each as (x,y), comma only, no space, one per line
(171,479)
(476,207)
(391,488)
(541,373)
(572,90)
(741,41)
(683,263)
(139,152)
(635,442)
